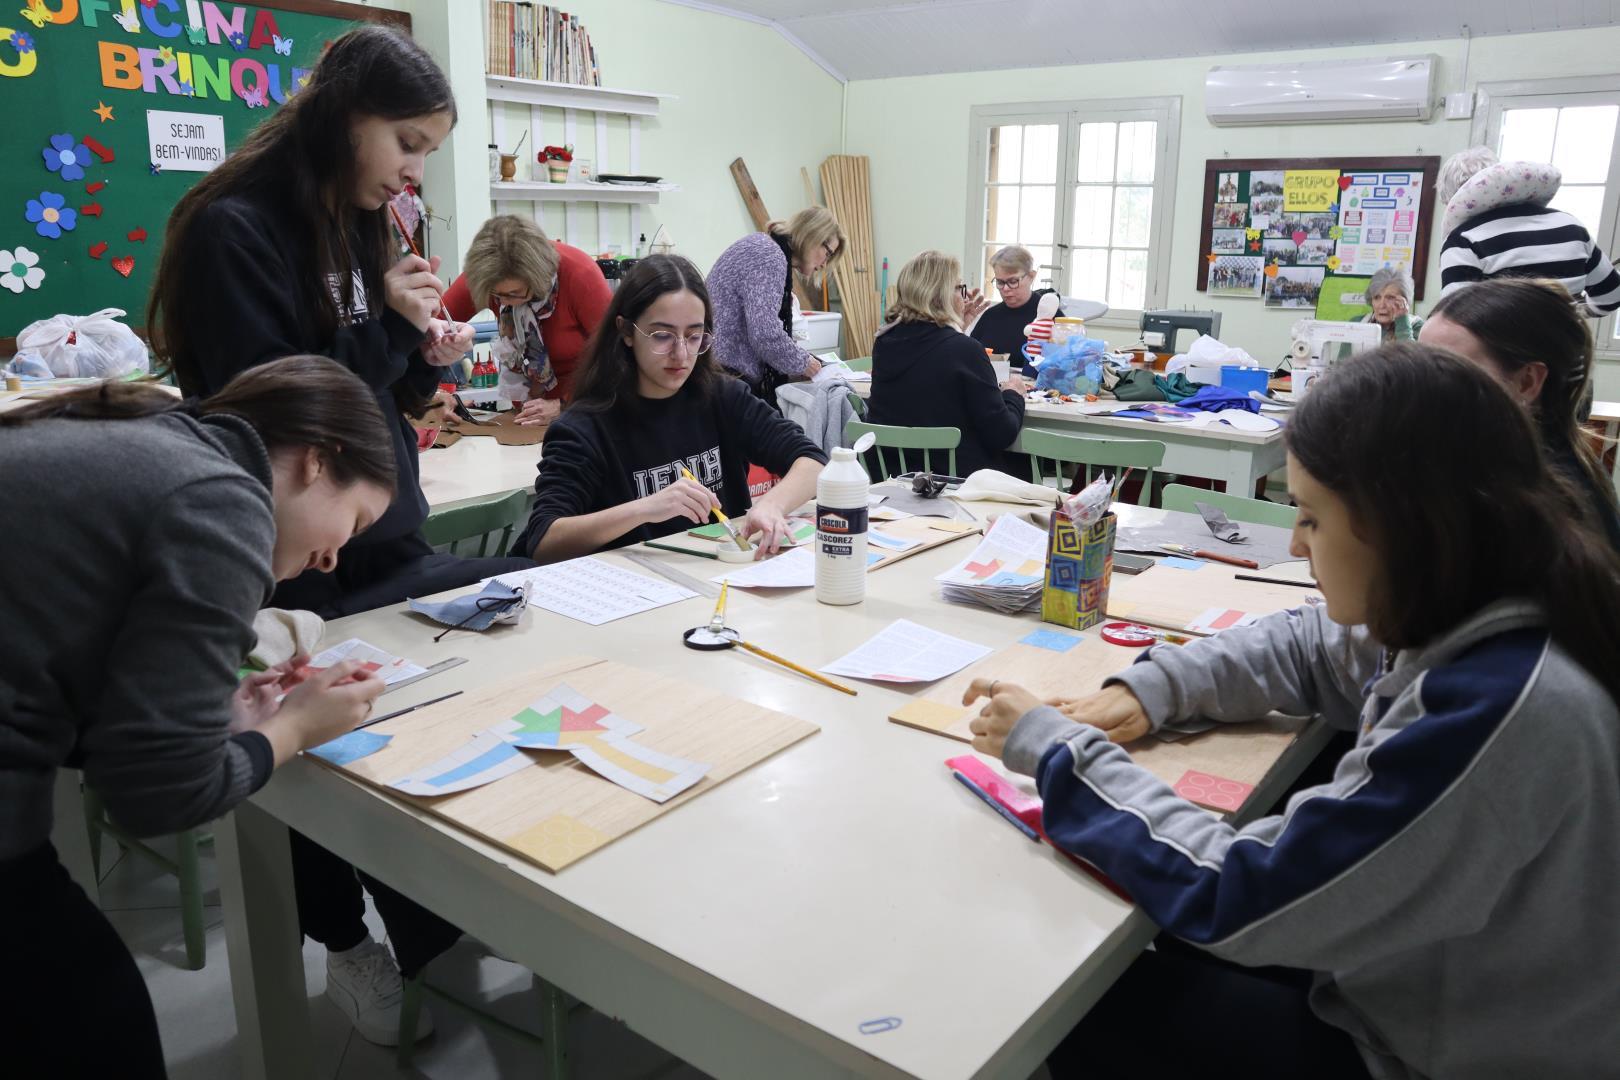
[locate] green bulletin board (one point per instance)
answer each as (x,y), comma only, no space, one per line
(78,79)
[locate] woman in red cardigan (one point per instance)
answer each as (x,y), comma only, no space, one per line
(548,298)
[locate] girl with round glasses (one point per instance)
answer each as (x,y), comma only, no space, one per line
(657,436)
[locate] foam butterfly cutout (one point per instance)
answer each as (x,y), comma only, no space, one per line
(35,13)
(283,45)
(130,21)
(255,98)
(197,35)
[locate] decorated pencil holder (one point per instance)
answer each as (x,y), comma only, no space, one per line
(1079,566)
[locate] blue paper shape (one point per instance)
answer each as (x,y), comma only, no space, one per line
(349,748)
(1051,639)
(1182,564)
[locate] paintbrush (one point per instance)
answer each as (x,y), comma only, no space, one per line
(405,235)
(719,515)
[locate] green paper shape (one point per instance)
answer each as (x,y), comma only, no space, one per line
(529,720)
(1331,302)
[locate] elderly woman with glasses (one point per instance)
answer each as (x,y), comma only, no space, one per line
(752,287)
(1000,328)
(1389,294)
(547,297)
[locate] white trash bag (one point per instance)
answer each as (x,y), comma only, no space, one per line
(94,346)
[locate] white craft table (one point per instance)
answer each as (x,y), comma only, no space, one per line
(476,467)
(755,930)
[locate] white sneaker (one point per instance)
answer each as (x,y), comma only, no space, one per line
(364,983)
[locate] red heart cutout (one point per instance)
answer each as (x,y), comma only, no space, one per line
(97,250)
(1300,235)
(1344,182)
(124,264)
(95,187)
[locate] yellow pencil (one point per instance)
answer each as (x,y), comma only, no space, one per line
(791,666)
(686,474)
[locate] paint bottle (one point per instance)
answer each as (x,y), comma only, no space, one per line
(841,524)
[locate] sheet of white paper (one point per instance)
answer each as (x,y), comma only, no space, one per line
(594,591)
(390,667)
(879,539)
(906,652)
(486,758)
(1013,552)
(1214,620)
(638,768)
(795,569)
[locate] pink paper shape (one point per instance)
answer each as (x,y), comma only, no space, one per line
(583,721)
(1215,792)
(1299,236)
(983,570)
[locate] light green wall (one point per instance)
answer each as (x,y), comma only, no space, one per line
(915,130)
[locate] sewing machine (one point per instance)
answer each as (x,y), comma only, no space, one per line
(1160,328)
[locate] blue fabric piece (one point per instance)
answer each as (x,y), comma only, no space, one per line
(1073,368)
(1219,399)
(1176,388)
(351,747)
(1051,639)
(453,612)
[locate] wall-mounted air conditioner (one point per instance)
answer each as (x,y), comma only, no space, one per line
(1401,88)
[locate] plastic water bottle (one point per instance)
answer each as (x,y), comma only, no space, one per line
(841,524)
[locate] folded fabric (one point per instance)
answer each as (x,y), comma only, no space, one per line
(1219,398)
(992,485)
(284,634)
(1175,387)
(498,602)
(1138,385)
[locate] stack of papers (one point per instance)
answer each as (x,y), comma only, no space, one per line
(1005,572)
(593,590)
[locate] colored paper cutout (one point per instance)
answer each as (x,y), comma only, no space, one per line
(36,13)
(91,209)
(138,234)
(557,841)
(1214,792)
(929,715)
(19,269)
(283,45)
(197,35)
(95,186)
(186,90)
(130,21)
(1215,620)
(98,249)
(23,42)
(1344,182)
(562,718)
(66,156)
(1271,270)
(484,759)
(238,41)
(638,768)
(99,150)
(1182,564)
(255,98)
(1299,236)
(347,749)
(51,215)
(1333,262)
(166,54)
(103,110)
(1051,639)
(155,168)
(124,264)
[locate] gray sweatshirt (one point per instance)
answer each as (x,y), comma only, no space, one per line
(1453,886)
(135,555)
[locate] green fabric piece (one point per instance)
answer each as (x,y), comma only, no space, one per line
(1138,385)
(1175,387)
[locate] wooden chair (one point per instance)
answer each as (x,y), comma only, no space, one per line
(479,520)
(1236,507)
(926,439)
(1090,453)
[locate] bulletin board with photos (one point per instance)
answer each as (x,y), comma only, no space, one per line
(1307,233)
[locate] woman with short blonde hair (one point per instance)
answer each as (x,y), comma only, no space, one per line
(1001,326)
(927,373)
(751,286)
(548,298)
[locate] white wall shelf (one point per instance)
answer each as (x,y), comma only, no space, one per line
(541,191)
(570,96)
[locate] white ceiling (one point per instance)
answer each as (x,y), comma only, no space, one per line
(874,39)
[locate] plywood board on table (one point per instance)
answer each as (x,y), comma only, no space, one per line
(1167,597)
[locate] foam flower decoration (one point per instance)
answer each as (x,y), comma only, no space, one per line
(51,215)
(67,157)
(1333,262)
(1335,232)
(19,269)
(1271,270)
(23,42)
(238,41)
(166,54)
(1252,234)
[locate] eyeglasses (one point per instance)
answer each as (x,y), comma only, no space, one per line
(662,342)
(1008,284)
(961,289)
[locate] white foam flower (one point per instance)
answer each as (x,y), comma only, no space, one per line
(19,269)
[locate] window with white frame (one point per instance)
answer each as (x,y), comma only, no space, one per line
(1575,125)
(1088,187)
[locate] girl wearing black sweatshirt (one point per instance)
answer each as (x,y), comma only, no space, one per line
(649,403)
(138,608)
(927,373)
(287,248)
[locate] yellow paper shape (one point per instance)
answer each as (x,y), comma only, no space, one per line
(1310,190)
(557,841)
(930,715)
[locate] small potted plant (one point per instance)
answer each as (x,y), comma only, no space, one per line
(556,160)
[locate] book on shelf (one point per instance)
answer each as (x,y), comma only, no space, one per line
(538,41)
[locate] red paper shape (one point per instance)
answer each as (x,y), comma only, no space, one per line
(124,264)
(99,150)
(92,188)
(138,234)
(1215,792)
(1300,235)
(98,249)
(1344,182)
(91,209)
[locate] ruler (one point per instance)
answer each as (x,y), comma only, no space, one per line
(659,567)
(442,665)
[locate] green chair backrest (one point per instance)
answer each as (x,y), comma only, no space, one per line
(1236,507)
(926,439)
(1092,453)
(860,363)
(477,520)
(857,403)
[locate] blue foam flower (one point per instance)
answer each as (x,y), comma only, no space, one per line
(66,157)
(51,215)
(22,42)
(238,41)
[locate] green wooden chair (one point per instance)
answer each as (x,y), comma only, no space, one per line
(926,439)
(555,1007)
(184,866)
(479,520)
(1236,507)
(1090,454)
(860,363)
(857,403)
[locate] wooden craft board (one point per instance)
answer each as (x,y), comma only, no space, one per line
(1242,752)
(559,811)
(503,427)
(1170,598)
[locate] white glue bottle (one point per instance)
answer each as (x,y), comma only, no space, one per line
(841,524)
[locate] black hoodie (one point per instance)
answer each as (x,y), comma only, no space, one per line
(924,375)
